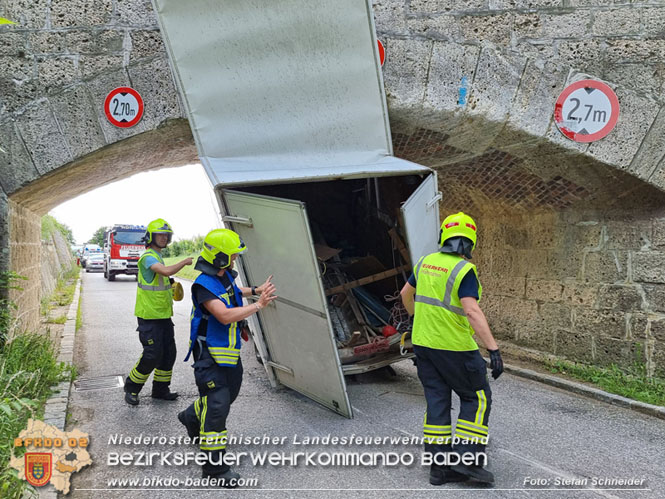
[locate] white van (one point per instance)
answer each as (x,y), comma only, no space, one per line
(89,249)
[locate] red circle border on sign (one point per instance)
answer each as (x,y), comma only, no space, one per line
(599,85)
(107,109)
(382,51)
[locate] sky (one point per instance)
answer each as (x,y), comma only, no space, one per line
(182,196)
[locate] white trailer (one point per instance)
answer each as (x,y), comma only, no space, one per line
(288,111)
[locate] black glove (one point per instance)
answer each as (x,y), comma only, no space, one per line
(496,363)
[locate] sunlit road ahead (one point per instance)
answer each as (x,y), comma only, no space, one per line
(540,436)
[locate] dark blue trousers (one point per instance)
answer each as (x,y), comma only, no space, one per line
(218,388)
(441,372)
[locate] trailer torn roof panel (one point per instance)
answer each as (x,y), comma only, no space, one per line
(280,90)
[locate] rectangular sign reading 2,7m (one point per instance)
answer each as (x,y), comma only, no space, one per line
(586,111)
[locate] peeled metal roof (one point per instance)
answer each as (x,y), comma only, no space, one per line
(281,90)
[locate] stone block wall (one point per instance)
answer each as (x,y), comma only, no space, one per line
(56,259)
(25,260)
(584,284)
(569,251)
(60,61)
(485,74)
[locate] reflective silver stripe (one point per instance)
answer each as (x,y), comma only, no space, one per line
(447,298)
(160,278)
(420,262)
(148,287)
(438,303)
(449,288)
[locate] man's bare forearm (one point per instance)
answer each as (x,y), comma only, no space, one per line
(480,325)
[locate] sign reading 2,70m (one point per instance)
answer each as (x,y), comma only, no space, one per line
(123,107)
(586,111)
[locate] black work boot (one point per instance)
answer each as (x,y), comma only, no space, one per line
(131,392)
(165,395)
(474,472)
(438,475)
(132,398)
(192,430)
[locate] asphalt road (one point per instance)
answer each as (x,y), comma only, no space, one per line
(541,437)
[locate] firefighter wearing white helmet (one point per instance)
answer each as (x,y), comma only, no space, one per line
(443,292)
(154,308)
(215,339)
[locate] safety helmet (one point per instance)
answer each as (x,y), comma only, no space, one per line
(218,247)
(458,224)
(159,226)
(177,291)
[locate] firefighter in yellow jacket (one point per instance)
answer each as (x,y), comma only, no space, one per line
(443,293)
(154,308)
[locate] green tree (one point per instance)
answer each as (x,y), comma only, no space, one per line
(98,236)
(50,224)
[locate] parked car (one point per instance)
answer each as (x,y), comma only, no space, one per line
(95,263)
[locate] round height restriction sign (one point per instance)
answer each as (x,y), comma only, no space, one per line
(586,111)
(382,52)
(123,107)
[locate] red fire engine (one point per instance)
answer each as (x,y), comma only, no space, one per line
(123,245)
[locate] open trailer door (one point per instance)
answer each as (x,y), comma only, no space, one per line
(296,327)
(421,219)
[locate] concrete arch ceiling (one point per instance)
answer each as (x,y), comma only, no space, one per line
(508,60)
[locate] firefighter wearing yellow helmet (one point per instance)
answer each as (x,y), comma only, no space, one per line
(443,292)
(154,308)
(217,317)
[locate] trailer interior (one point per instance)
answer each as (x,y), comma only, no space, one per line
(361,249)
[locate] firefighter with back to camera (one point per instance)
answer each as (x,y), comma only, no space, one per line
(443,293)
(218,321)
(154,308)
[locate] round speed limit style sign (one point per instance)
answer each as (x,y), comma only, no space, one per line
(123,107)
(586,111)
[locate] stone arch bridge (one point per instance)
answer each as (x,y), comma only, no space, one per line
(572,236)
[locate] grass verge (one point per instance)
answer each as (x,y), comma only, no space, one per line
(188,272)
(632,383)
(28,369)
(79,316)
(63,294)
(59,320)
